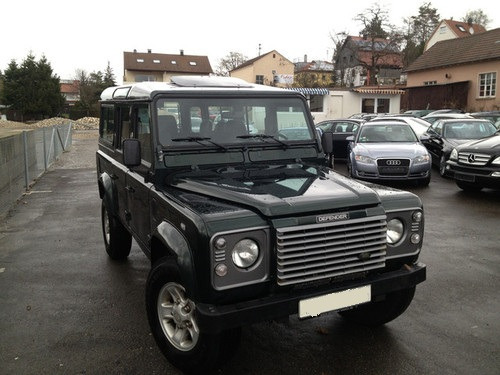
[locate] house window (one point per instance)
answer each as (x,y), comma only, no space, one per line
(316,103)
(259,80)
(487,85)
(368,105)
(192,63)
(144,78)
(429,83)
(140,60)
(156,61)
(442,29)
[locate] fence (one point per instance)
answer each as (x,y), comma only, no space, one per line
(26,156)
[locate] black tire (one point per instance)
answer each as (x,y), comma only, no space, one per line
(177,334)
(377,313)
(117,239)
(467,186)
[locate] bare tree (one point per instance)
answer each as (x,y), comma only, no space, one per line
(477,16)
(228,63)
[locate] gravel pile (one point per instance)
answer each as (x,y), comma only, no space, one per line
(85,123)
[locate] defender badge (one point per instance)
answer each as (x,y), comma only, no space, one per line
(332,217)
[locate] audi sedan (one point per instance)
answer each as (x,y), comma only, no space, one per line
(388,150)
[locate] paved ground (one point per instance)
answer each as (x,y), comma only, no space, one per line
(66,308)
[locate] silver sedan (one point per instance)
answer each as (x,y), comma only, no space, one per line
(388,151)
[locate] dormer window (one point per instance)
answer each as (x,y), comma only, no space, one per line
(461,28)
(156,61)
(140,60)
(173,62)
(192,63)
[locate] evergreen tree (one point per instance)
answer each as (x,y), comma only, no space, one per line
(32,89)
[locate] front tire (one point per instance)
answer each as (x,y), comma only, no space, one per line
(466,186)
(442,166)
(377,313)
(172,319)
(117,239)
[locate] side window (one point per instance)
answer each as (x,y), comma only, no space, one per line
(144,131)
(126,131)
(107,124)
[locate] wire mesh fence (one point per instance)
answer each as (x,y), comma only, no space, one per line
(25,156)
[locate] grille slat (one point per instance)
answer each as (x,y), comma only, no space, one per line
(477,159)
(317,251)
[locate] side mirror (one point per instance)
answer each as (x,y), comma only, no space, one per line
(327,142)
(131,152)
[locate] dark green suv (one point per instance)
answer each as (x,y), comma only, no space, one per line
(241,221)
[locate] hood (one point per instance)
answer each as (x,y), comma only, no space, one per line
(487,145)
(454,142)
(390,150)
(278,190)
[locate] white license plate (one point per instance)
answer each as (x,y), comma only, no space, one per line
(334,301)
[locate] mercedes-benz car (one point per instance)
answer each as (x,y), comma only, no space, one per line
(475,165)
(388,150)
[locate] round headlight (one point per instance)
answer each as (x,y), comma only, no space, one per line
(395,230)
(245,253)
(417,216)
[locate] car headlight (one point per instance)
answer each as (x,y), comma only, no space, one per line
(422,159)
(364,159)
(395,231)
(496,161)
(454,154)
(245,253)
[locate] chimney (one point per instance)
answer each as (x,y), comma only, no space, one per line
(135,51)
(149,50)
(182,52)
(305,58)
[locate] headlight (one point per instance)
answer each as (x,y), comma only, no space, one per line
(496,160)
(454,154)
(395,231)
(245,253)
(422,159)
(364,159)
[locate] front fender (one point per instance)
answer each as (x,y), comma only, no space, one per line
(174,243)
(107,192)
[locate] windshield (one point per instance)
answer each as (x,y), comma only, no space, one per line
(468,130)
(195,121)
(386,133)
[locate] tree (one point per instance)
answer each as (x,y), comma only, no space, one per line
(228,63)
(32,89)
(90,87)
(477,16)
(418,30)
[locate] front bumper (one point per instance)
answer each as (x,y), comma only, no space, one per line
(375,172)
(213,318)
(484,177)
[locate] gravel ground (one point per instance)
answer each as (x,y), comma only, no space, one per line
(81,153)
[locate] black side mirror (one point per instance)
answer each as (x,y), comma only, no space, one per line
(327,142)
(131,152)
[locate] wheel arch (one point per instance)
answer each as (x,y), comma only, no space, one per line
(168,241)
(107,192)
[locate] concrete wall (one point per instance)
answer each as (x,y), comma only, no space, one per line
(24,156)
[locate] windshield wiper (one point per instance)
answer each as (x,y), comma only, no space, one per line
(264,137)
(199,141)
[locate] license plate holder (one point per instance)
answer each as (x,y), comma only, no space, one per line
(334,301)
(465,177)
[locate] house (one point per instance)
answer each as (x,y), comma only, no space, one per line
(450,29)
(70,89)
(458,73)
(368,61)
(271,68)
(159,67)
(316,73)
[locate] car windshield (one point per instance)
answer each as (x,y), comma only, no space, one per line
(468,129)
(206,122)
(386,133)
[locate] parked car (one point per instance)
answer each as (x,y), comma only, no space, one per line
(446,110)
(388,150)
(341,129)
(364,116)
(418,125)
(444,135)
(476,164)
(493,116)
(418,112)
(443,116)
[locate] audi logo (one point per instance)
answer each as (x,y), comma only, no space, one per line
(393,162)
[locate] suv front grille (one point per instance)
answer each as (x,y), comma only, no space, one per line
(471,158)
(319,251)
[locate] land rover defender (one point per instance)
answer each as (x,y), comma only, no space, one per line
(226,187)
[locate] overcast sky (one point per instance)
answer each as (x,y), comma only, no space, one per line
(87,34)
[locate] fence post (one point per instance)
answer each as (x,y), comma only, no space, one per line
(26,161)
(44,149)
